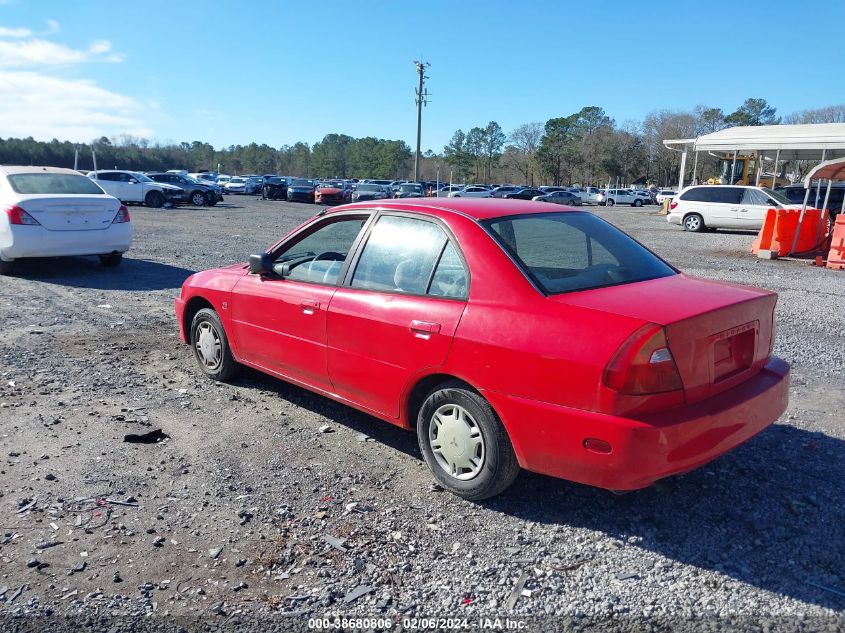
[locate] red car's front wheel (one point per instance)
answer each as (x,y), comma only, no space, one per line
(211,347)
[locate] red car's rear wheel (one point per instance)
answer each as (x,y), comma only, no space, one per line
(464,443)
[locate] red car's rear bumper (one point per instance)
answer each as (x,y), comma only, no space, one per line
(549,438)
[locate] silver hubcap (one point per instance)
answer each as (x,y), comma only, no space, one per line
(692,223)
(208,345)
(198,200)
(456,441)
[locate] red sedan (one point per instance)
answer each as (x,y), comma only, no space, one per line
(508,334)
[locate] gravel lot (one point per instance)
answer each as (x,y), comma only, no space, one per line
(249,516)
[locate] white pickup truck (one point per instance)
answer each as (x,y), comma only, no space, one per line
(131,186)
(588,195)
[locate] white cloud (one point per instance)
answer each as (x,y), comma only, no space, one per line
(77,110)
(99,47)
(53,27)
(36,52)
(7,32)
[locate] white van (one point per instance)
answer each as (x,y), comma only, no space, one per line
(702,207)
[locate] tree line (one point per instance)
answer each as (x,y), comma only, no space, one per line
(337,155)
(587,147)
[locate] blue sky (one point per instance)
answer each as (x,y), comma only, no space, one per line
(278,72)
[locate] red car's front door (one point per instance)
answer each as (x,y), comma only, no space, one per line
(280,325)
(279,320)
(397,315)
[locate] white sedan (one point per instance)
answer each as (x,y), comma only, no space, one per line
(473,191)
(53,212)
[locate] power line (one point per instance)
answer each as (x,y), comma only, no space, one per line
(421,100)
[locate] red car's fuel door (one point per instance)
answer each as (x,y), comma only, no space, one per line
(398,313)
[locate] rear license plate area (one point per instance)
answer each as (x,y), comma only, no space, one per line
(733,351)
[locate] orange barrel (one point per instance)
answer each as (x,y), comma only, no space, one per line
(836,256)
(786,223)
(764,237)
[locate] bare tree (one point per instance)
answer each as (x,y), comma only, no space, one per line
(523,143)
(830,114)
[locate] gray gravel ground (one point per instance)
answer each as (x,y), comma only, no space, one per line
(248,517)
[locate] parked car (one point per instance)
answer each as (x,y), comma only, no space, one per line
(53,212)
(588,195)
(301,189)
(132,186)
(194,192)
(702,207)
(236,184)
(206,178)
(548,189)
(500,192)
(409,190)
(370,191)
(472,191)
(559,197)
(626,372)
(645,196)
(795,195)
(665,193)
(222,179)
(611,197)
(524,194)
(275,188)
(333,192)
(445,190)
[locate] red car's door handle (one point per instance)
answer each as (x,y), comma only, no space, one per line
(309,307)
(424,329)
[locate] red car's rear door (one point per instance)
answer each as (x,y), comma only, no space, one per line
(397,315)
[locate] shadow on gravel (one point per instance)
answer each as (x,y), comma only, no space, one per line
(770,513)
(87,272)
(382,432)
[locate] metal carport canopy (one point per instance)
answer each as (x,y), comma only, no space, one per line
(795,142)
(828,170)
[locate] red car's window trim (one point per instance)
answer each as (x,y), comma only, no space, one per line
(345,278)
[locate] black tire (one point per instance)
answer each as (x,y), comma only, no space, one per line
(638,203)
(154,199)
(610,202)
(219,364)
(111,260)
(497,464)
(694,223)
(7,268)
(199,199)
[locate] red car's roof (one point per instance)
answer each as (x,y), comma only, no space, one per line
(476,208)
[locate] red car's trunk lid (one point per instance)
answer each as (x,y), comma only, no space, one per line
(720,334)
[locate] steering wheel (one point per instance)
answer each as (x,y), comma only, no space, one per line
(333,256)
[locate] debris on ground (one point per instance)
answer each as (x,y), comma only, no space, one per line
(152,437)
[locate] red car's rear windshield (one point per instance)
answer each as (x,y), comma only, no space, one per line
(570,251)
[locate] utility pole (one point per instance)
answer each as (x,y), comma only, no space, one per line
(422,99)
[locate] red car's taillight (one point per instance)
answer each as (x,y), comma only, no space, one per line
(644,364)
(673,204)
(19,216)
(122,215)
